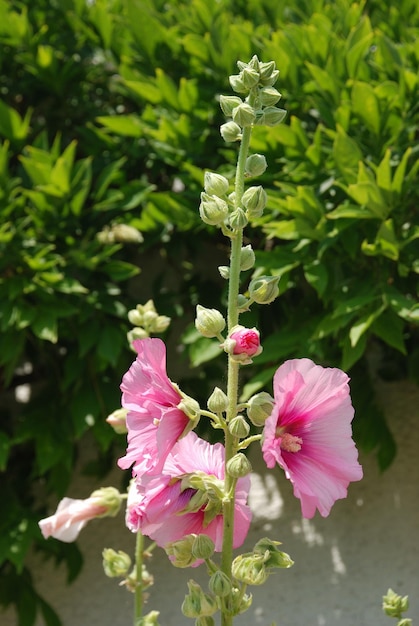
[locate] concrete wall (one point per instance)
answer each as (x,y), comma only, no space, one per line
(343,564)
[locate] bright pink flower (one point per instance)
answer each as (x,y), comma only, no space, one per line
(156,508)
(309,434)
(70,517)
(154,422)
(247,341)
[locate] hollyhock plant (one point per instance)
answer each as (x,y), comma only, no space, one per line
(73,514)
(186,498)
(154,421)
(309,434)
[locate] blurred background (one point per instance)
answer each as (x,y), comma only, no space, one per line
(109,117)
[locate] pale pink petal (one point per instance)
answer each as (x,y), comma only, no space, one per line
(70,517)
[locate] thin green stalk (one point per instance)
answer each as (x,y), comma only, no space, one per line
(139,596)
(233,372)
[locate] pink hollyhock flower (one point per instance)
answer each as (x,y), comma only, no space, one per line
(309,434)
(154,422)
(186,498)
(72,515)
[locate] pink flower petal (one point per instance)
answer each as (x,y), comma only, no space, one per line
(309,434)
(154,422)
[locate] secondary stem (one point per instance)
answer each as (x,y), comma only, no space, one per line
(139,597)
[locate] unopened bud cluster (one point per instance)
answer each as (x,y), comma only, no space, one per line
(395,605)
(146,321)
(255,81)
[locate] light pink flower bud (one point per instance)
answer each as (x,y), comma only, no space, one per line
(72,515)
(247,341)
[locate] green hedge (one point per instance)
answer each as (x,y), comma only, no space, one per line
(108,118)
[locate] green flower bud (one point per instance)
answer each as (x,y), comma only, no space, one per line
(269,96)
(247,258)
(151,619)
(250,569)
(242,303)
(273,557)
(209,322)
(239,465)
(228,103)
(238,427)
(253,63)
(110,498)
(264,289)
(135,317)
(203,547)
(238,219)
(394,605)
(254,201)
(215,184)
(180,552)
(230,131)
(190,407)
(255,165)
(224,271)
(204,620)
(197,603)
(271,116)
(250,77)
(115,563)
(218,401)
(161,323)
(136,333)
(243,115)
(126,234)
(267,69)
(268,74)
(237,83)
(260,407)
(220,584)
(118,420)
(213,210)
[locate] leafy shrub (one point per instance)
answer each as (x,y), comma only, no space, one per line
(107,120)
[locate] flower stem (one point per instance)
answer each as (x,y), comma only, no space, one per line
(231,442)
(139,597)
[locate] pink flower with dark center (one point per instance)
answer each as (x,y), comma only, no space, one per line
(309,434)
(187,497)
(153,420)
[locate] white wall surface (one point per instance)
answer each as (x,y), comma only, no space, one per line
(343,564)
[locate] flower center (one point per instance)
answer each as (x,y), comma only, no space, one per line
(290,443)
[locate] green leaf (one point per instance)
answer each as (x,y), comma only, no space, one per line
(317,276)
(352,354)
(362,325)
(110,343)
(390,328)
(45,327)
(121,270)
(365,105)
(347,155)
(203,350)
(126,125)
(4,450)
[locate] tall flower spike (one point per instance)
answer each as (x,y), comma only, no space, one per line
(309,434)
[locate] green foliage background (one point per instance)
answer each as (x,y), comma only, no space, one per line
(109,117)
